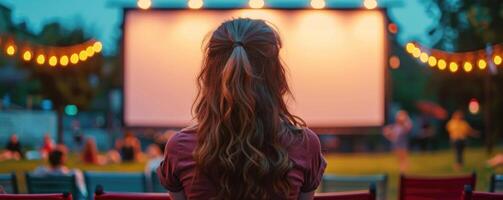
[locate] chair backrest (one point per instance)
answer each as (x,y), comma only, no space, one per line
(445,188)
(496,184)
(369,194)
(468,194)
(344,183)
(156,184)
(63,196)
(132,196)
(51,184)
(8,183)
(115,181)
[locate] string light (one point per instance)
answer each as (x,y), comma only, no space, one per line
(90,51)
(318,4)
(74,58)
(41,59)
(144,4)
(482,64)
(394,62)
(423,57)
(63,61)
(256,3)
(474,106)
(416,53)
(83,55)
(53,61)
(97,47)
(432,61)
(453,67)
(497,60)
(442,64)
(370,4)
(392,28)
(27,56)
(410,47)
(468,67)
(195,4)
(10,50)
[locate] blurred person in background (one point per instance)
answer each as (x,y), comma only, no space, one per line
(91,155)
(397,134)
(57,166)
(155,157)
(47,146)
(12,149)
(129,148)
(459,130)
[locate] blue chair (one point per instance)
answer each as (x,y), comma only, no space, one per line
(8,183)
(156,184)
(46,184)
(345,183)
(496,184)
(115,182)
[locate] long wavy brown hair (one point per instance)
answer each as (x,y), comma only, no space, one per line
(241,113)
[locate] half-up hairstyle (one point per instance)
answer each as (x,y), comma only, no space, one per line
(241,113)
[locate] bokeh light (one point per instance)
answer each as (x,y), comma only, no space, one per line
(256,3)
(27,55)
(195,4)
(370,4)
(53,61)
(468,67)
(394,62)
(40,59)
(442,64)
(474,106)
(144,4)
(432,61)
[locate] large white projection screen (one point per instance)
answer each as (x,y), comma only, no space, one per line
(335,59)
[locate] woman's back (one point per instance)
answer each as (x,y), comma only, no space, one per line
(245,143)
(178,170)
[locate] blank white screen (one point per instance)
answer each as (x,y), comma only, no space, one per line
(335,60)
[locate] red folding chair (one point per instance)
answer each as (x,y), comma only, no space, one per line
(63,196)
(101,195)
(355,195)
(468,194)
(445,188)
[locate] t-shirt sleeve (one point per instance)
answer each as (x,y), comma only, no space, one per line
(167,170)
(317,163)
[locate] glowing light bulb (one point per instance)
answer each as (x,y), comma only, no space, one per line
(417,52)
(442,64)
(482,64)
(468,67)
(144,4)
(474,106)
(423,57)
(410,47)
(256,3)
(53,61)
(41,59)
(394,62)
(83,55)
(318,4)
(370,4)
(97,47)
(90,51)
(497,60)
(27,56)
(63,61)
(453,67)
(10,50)
(74,58)
(195,4)
(432,61)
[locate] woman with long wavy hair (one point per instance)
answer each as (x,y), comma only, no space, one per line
(245,144)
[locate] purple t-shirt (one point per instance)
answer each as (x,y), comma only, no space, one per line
(177,171)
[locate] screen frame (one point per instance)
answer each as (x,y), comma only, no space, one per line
(329,129)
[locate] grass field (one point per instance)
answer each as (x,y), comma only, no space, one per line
(435,163)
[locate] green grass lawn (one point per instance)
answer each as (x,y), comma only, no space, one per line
(436,163)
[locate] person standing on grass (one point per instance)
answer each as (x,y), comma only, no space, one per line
(397,134)
(245,144)
(459,130)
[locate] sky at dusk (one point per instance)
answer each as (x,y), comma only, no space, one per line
(101,19)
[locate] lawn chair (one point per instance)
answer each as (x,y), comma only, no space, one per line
(469,194)
(445,188)
(115,181)
(342,183)
(496,184)
(101,195)
(63,196)
(156,184)
(50,184)
(8,183)
(369,194)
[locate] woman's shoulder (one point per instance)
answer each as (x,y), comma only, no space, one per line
(183,140)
